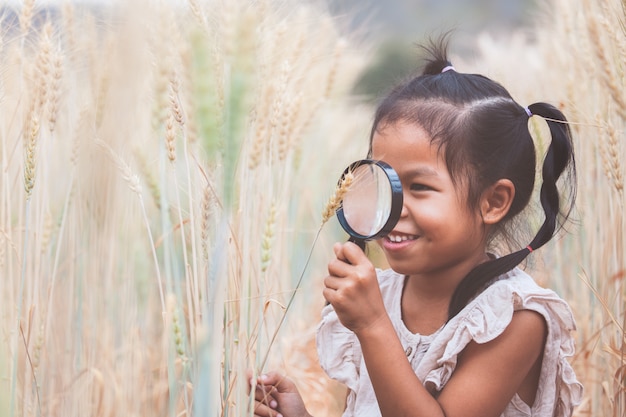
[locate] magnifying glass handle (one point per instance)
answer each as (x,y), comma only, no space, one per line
(359,242)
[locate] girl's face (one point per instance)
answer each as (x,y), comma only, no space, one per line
(437,233)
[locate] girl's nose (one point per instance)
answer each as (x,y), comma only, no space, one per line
(405,210)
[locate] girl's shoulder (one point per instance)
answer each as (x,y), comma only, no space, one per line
(490,312)
(516,290)
(488,315)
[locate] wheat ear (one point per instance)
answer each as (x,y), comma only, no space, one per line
(26,16)
(55,89)
(30,149)
(268,237)
(334,202)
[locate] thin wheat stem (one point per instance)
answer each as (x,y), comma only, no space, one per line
(185,254)
(291,299)
(193,314)
(133,182)
(57,255)
(19,307)
(155,258)
(32,369)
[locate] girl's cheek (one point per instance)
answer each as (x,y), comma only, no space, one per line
(426,212)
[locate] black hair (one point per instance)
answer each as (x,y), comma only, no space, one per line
(484,136)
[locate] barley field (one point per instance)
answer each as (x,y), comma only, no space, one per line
(165,167)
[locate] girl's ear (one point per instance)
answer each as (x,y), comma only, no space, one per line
(496,201)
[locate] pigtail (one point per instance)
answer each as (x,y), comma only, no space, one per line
(559,160)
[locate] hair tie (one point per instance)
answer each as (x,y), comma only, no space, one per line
(530,249)
(448,68)
(528,112)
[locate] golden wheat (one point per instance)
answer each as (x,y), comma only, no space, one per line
(30,152)
(268,236)
(56,74)
(335,200)
(26,15)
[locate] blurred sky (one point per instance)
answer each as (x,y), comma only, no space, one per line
(415,18)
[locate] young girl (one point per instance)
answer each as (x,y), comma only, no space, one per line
(450,329)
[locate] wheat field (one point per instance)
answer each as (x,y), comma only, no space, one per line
(165,167)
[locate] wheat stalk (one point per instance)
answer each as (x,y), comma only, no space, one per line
(43,69)
(134,183)
(614,154)
(174,101)
(99,348)
(55,90)
(606,69)
(30,152)
(332,74)
(268,236)
(205,214)
(279,114)
(170,137)
(26,16)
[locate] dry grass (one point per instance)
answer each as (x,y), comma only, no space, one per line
(150,233)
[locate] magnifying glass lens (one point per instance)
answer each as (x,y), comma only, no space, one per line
(372,204)
(367,205)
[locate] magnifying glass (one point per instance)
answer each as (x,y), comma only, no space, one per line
(372,204)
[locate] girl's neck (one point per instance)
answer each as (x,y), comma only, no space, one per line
(426,297)
(441,284)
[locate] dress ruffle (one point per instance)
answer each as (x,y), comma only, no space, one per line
(336,349)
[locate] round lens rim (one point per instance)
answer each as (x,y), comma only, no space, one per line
(396,200)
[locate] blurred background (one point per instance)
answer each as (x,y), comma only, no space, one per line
(393,28)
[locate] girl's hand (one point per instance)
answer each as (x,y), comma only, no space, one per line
(277,396)
(352,288)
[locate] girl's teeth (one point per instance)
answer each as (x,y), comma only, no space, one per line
(398,239)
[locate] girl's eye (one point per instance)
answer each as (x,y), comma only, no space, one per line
(419,187)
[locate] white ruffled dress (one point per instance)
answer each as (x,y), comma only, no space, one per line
(433,357)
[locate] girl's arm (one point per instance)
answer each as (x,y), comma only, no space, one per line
(484,381)
(486,376)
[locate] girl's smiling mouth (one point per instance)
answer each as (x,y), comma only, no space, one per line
(395,240)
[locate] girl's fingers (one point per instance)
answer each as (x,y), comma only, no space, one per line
(339,269)
(265,395)
(349,252)
(267,388)
(264,404)
(279,382)
(331,282)
(262,410)
(338,249)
